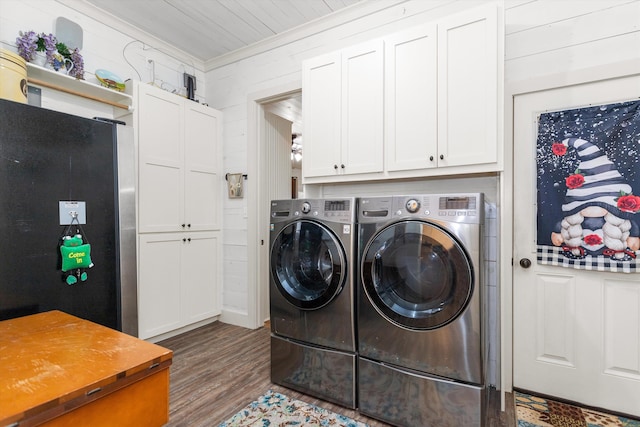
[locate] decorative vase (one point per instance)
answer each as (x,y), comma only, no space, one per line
(40,59)
(60,63)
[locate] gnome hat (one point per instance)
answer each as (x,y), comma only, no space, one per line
(602,183)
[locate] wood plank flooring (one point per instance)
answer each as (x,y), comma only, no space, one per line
(219,368)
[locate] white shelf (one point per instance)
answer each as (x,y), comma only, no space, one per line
(39,76)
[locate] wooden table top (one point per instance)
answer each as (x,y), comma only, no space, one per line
(50,358)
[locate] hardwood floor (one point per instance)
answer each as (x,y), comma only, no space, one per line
(219,368)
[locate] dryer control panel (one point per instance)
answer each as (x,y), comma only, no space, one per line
(466,208)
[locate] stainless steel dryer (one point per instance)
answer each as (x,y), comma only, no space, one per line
(420,328)
(312,297)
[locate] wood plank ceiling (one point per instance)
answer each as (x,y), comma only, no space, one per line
(207,29)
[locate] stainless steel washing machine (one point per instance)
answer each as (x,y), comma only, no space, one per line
(312,297)
(419,324)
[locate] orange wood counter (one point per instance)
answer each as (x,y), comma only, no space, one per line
(59,370)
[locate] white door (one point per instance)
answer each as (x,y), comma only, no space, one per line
(576,332)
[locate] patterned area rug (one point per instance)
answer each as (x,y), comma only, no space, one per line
(275,409)
(534,411)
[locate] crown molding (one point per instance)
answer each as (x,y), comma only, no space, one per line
(343,16)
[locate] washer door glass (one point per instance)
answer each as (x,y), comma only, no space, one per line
(308,264)
(417,275)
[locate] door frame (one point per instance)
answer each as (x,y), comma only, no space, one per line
(513,89)
(257,205)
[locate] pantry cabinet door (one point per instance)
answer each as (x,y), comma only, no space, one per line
(161,158)
(202,167)
(411,99)
(200,272)
(362,108)
(159,283)
(321,103)
(468,94)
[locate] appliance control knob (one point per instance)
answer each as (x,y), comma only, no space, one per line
(412,205)
(306,207)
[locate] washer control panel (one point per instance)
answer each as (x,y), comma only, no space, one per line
(466,208)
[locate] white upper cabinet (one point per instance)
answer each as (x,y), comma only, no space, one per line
(343,112)
(202,203)
(411,99)
(468,88)
(321,104)
(161,158)
(421,102)
(179,163)
(362,108)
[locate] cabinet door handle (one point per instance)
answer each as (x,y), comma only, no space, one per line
(189,239)
(342,166)
(335,167)
(182,225)
(189,225)
(441,156)
(431,158)
(184,239)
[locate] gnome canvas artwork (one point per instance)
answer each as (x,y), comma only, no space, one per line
(588,213)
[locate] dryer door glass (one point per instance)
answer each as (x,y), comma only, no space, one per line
(417,275)
(308,264)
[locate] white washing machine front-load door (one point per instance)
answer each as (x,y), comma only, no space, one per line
(417,275)
(308,264)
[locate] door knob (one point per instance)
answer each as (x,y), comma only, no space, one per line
(525,263)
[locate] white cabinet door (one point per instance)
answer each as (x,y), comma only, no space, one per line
(468,88)
(159,286)
(411,99)
(321,103)
(362,108)
(179,280)
(200,271)
(202,167)
(161,158)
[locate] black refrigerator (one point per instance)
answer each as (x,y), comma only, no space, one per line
(61,175)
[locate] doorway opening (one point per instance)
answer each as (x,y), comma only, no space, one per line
(275,122)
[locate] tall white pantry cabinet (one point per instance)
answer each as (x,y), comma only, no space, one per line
(179,211)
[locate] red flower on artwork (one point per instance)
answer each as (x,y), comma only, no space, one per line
(629,203)
(559,149)
(593,239)
(574,181)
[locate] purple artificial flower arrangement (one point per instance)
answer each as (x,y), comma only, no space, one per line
(30,42)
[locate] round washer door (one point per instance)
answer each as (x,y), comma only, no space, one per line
(417,275)
(308,264)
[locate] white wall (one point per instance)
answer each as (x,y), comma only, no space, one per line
(103,48)
(230,85)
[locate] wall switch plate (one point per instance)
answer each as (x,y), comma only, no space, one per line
(70,209)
